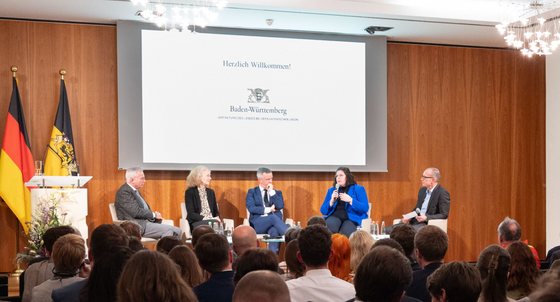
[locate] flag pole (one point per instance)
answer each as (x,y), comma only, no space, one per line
(62,73)
(14,70)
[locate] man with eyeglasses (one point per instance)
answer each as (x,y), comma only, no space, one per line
(433,201)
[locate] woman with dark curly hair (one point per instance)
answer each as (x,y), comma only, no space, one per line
(524,274)
(346,203)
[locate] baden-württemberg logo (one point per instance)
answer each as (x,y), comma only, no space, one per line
(258,95)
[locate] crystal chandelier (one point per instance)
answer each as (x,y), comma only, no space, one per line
(534,30)
(183,13)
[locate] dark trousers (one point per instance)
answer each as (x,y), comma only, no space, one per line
(346,227)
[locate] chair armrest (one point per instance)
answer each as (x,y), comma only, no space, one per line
(185,227)
(228,223)
(167,221)
(397,221)
(289,221)
(118,222)
(366,225)
(441,223)
(246,221)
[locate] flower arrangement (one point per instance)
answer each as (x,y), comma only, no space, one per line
(46,216)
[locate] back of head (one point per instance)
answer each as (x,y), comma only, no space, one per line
(102,282)
(167,243)
(135,244)
(460,281)
(493,265)
(317,220)
(548,288)
(315,245)
(292,233)
(383,275)
(390,243)
(68,254)
(131,228)
(52,234)
(431,242)
(404,235)
(524,273)
(186,259)
(152,276)
(260,286)
(253,260)
(360,244)
(292,263)
(243,238)
(339,264)
(106,237)
(200,231)
(212,251)
(510,230)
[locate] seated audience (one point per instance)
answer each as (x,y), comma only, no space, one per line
(493,265)
(339,263)
(382,276)
(318,284)
(135,244)
(200,231)
(291,234)
(551,252)
(431,245)
(186,259)
(548,288)
(68,255)
(360,244)
(455,282)
(152,276)
(295,268)
(259,286)
(215,257)
(254,260)
(404,235)
(390,243)
(131,228)
(509,231)
(104,239)
(39,272)
(243,238)
(523,274)
(167,243)
(317,220)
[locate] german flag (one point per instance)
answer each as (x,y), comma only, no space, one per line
(16,161)
(61,159)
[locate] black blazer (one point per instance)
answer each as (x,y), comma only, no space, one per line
(438,206)
(193,204)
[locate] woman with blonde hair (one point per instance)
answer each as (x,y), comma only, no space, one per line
(152,276)
(360,244)
(200,200)
(186,259)
(339,264)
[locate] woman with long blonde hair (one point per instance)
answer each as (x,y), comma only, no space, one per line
(200,200)
(360,245)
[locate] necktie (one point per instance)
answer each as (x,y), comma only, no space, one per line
(266,202)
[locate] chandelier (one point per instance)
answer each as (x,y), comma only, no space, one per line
(535,28)
(180,14)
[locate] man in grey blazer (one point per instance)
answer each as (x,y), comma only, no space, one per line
(130,205)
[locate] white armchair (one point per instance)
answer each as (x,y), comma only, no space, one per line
(145,241)
(289,221)
(186,228)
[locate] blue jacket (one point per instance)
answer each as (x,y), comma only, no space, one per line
(357,211)
(254,203)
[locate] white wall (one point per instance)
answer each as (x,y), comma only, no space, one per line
(552,150)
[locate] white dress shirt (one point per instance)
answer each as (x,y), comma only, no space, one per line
(320,285)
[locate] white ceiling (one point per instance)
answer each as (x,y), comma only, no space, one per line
(455,22)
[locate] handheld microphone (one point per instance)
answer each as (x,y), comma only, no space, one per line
(337,186)
(417,212)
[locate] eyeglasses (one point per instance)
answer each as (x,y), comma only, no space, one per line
(425,177)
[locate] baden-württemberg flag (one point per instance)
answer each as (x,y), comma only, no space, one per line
(16,161)
(61,157)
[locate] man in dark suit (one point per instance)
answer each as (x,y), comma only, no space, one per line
(431,246)
(130,205)
(264,205)
(215,257)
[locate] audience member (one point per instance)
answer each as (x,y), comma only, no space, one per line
(186,259)
(41,271)
(291,234)
(131,228)
(523,274)
(404,235)
(167,243)
(68,254)
(431,245)
(548,288)
(215,257)
(200,231)
(317,220)
(295,268)
(103,240)
(254,260)
(390,243)
(493,265)
(360,244)
(243,238)
(383,276)
(135,244)
(258,286)
(339,263)
(318,284)
(510,231)
(551,252)
(455,282)
(152,276)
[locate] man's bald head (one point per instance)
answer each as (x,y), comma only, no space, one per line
(261,286)
(244,238)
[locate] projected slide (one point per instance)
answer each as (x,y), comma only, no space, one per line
(225,99)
